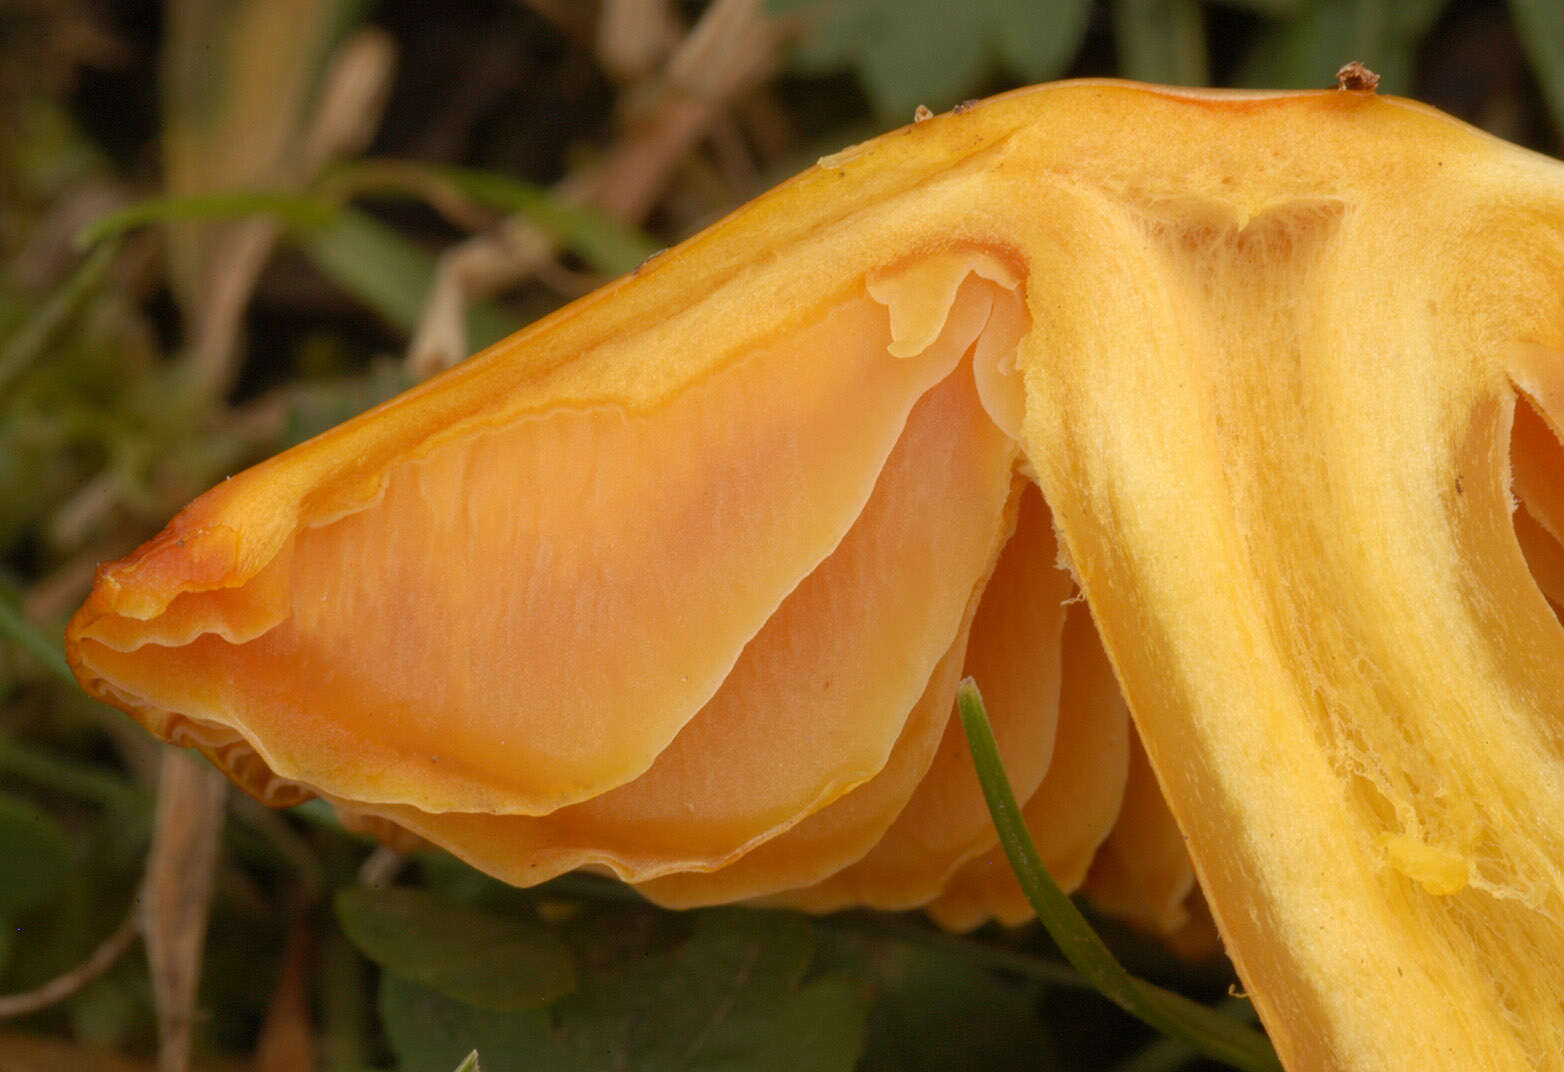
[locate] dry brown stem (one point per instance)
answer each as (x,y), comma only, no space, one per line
(178,896)
(732,49)
(635,36)
(63,986)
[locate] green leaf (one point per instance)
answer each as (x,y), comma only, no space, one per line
(482,958)
(730,999)
(1308,49)
(390,273)
(428,1030)
(932,52)
(1541,29)
(1207,1031)
(1162,41)
(935,1012)
(34,858)
(1035,41)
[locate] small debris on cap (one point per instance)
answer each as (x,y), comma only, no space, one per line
(1355,76)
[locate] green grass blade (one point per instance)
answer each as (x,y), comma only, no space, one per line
(21,632)
(1207,1031)
(60,773)
(609,246)
(293,210)
(32,338)
(1168,1054)
(391,274)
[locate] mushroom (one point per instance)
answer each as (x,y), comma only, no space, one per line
(678,583)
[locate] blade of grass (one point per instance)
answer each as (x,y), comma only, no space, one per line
(71,777)
(1167,1054)
(1207,1031)
(377,265)
(294,210)
(25,635)
(607,245)
(28,342)
(391,274)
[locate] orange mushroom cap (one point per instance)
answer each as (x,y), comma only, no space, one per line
(677,583)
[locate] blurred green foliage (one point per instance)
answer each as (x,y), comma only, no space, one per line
(935,54)
(473,955)
(186,287)
(732,995)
